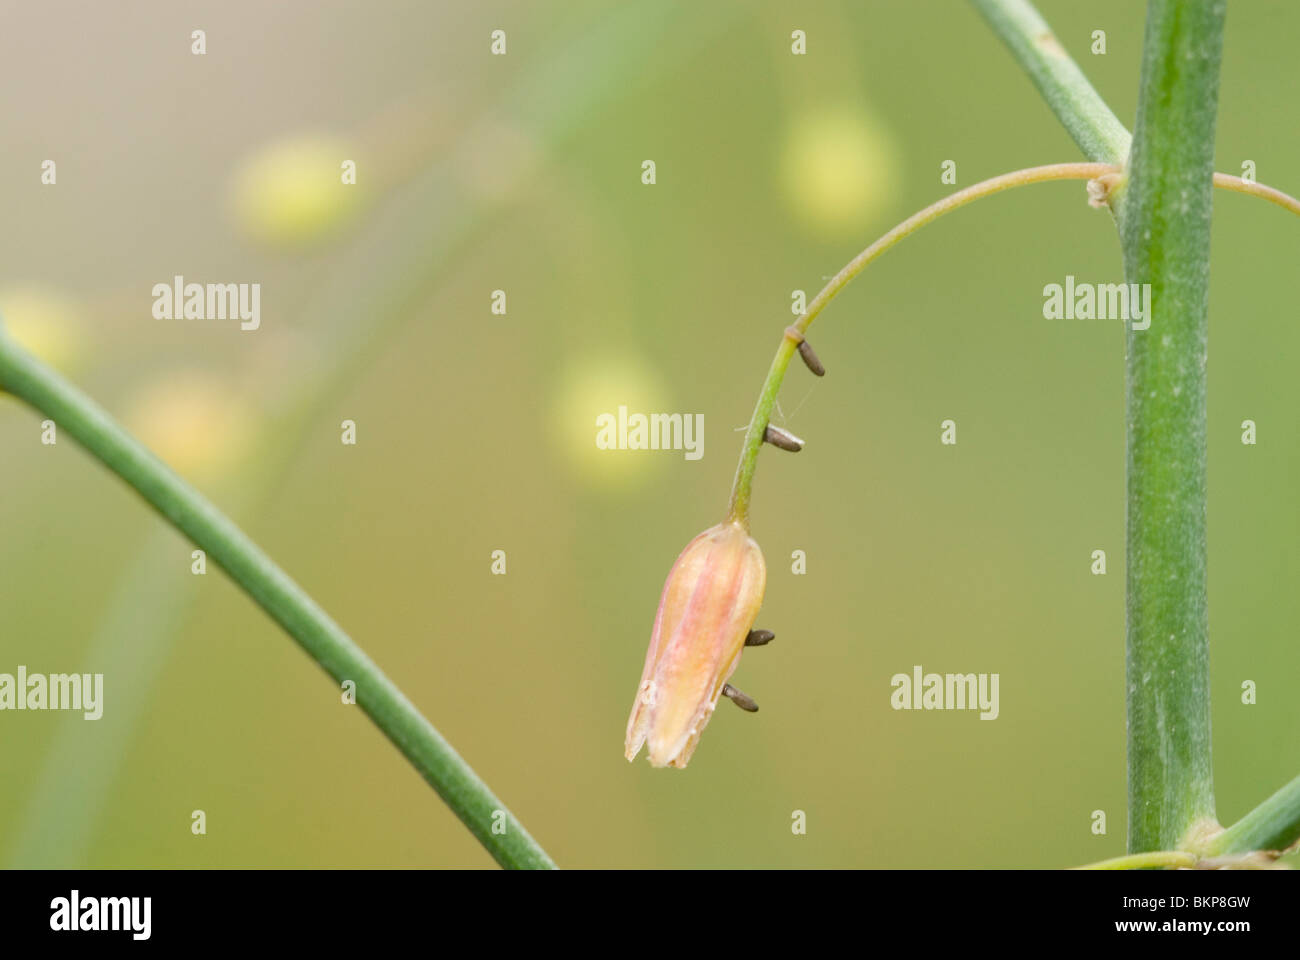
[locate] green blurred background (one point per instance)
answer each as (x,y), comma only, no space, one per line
(476,431)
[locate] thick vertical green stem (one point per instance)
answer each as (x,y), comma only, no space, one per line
(1164,218)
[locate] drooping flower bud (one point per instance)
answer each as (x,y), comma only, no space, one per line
(708,605)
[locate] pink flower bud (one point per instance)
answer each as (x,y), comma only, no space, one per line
(709,603)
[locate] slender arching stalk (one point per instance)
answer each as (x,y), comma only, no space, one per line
(75,414)
(1225,181)
(744,481)
(740,491)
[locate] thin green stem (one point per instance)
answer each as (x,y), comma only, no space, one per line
(742,486)
(460,787)
(1164,221)
(1067,91)
(1273,825)
(1155,859)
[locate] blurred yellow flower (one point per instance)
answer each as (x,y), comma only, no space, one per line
(597,385)
(194,421)
(292,193)
(45,323)
(839,169)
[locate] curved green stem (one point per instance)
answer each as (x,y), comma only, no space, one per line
(743,484)
(460,787)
